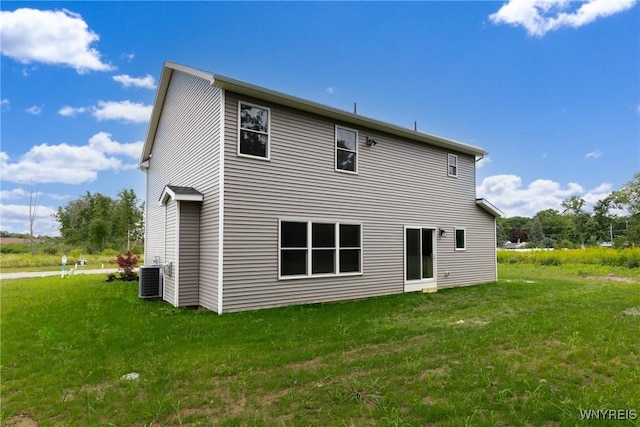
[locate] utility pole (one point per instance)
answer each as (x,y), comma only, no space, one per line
(611,233)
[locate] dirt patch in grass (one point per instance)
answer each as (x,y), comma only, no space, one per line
(613,278)
(21,420)
(633,311)
(99,390)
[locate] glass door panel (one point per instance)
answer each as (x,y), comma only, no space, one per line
(413,261)
(427,253)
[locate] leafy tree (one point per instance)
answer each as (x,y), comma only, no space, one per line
(573,208)
(96,221)
(536,235)
(628,197)
(129,218)
(555,226)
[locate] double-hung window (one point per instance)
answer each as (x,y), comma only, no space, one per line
(452,162)
(253,130)
(314,248)
(346,150)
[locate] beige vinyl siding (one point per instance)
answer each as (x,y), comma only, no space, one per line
(189,253)
(398,183)
(170,228)
(186,152)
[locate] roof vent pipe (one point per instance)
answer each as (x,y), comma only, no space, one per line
(355,108)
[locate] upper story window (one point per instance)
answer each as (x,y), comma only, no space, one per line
(346,150)
(452,165)
(253,130)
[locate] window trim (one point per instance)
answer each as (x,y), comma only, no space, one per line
(451,156)
(309,249)
(240,129)
(455,239)
(335,150)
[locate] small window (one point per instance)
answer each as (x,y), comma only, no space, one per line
(453,165)
(346,150)
(461,239)
(253,130)
(319,248)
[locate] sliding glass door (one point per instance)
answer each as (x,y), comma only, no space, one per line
(419,257)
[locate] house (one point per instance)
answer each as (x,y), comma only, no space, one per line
(258,199)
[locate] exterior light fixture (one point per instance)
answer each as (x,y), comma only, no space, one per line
(371,142)
(442,232)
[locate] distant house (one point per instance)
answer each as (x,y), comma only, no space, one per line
(259,199)
(517,245)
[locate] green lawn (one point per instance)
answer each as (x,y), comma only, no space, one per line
(531,350)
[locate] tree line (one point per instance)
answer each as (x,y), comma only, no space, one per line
(614,219)
(96,222)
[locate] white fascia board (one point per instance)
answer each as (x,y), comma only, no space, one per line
(484,204)
(169,193)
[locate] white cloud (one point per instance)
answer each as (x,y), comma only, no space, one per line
(35,110)
(146,82)
(483,161)
(541,16)
(124,110)
(103,143)
(69,164)
(593,154)
(69,111)
(55,196)
(16,193)
(4,104)
(15,219)
(508,194)
(330,90)
(52,37)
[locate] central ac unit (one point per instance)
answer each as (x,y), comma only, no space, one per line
(150,282)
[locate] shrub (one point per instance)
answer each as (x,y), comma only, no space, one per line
(15,248)
(127,263)
(50,250)
(75,253)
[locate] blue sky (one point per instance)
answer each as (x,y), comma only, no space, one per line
(550,88)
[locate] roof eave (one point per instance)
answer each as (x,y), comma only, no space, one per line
(247,89)
(345,116)
(484,204)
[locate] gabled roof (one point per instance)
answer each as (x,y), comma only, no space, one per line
(293,102)
(180,193)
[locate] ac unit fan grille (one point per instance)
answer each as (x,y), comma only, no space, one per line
(150,282)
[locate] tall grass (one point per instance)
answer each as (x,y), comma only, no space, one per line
(627,257)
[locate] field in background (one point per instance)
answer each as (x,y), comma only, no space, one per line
(536,348)
(607,257)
